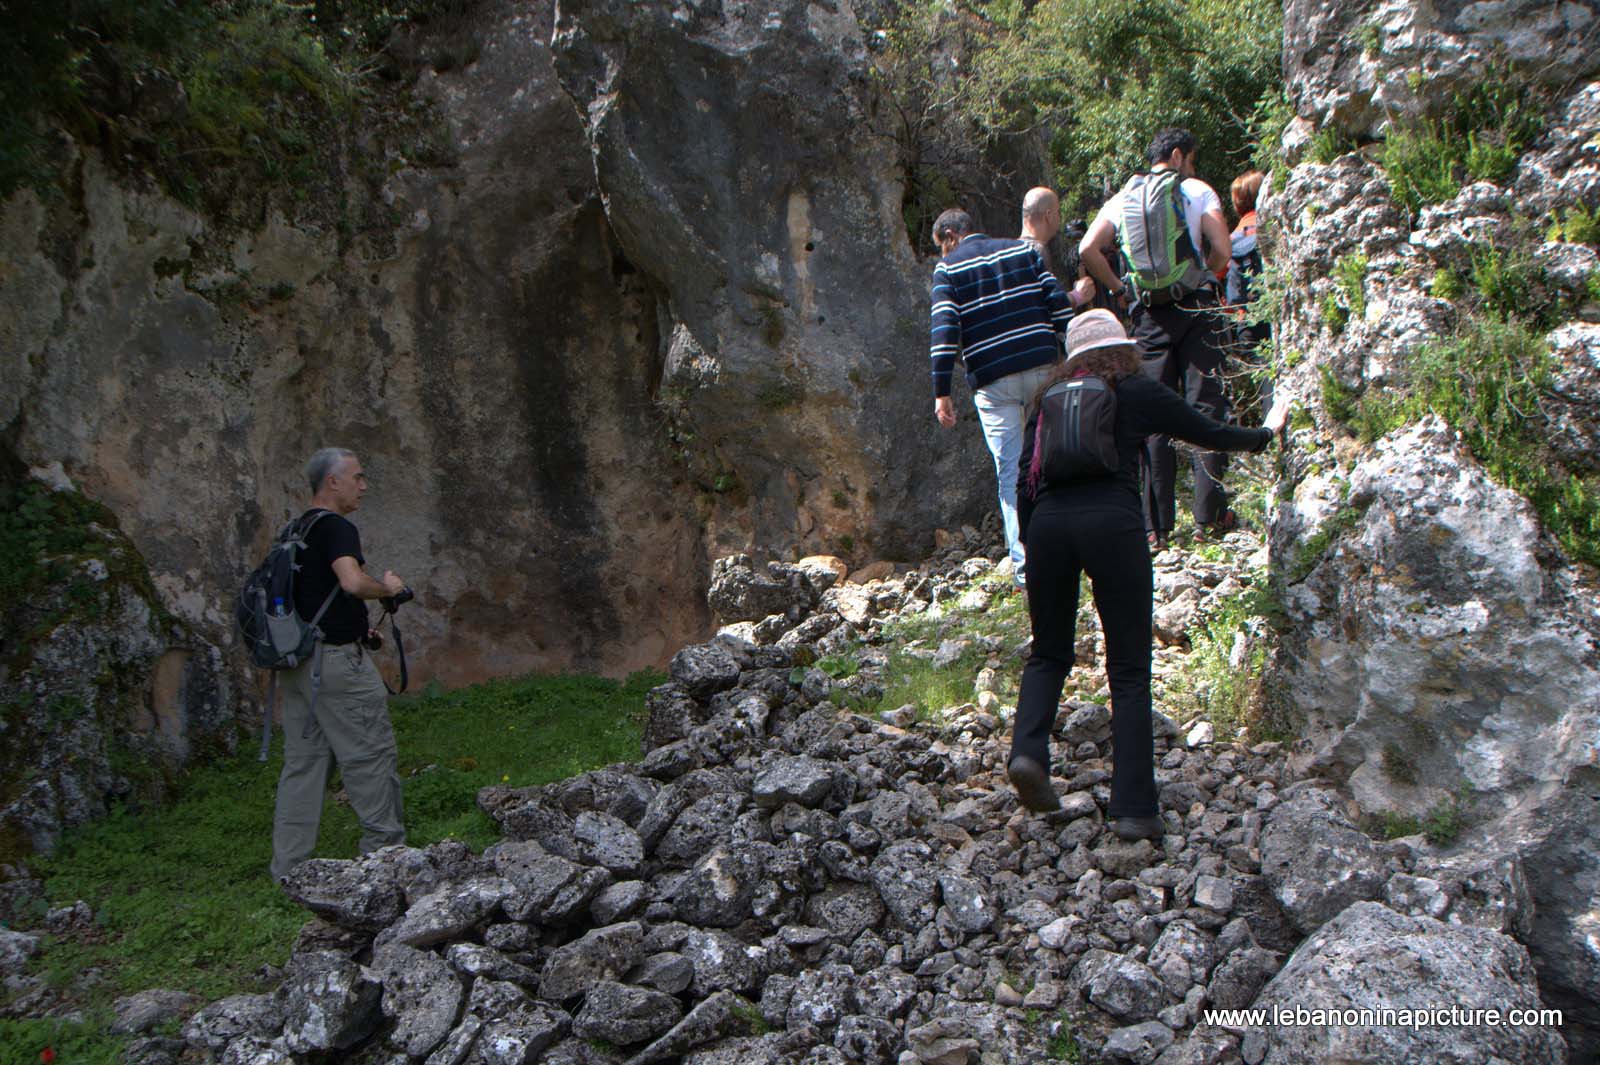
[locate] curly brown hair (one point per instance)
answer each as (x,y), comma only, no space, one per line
(1111,364)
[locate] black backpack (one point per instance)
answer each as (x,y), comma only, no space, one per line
(275,634)
(1075,436)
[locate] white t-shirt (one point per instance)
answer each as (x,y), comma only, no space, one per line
(1198,198)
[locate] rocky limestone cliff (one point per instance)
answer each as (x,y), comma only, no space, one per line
(738,151)
(593,343)
(1444,649)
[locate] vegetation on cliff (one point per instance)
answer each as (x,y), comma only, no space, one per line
(216,100)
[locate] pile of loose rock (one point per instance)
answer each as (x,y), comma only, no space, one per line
(781,880)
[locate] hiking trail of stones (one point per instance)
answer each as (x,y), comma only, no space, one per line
(784,879)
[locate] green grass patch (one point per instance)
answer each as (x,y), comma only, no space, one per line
(1062,1044)
(914,680)
(85,1042)
(182,895)
(1230,695)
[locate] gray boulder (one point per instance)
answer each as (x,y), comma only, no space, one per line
(1316,862)
(621,1015)
(601,955)
(722,963)
(447,913)
(802,780)
(1371,958)
(741,592)
(846,910)
(970,908)
(512,1028)
(329,1003)
(618,902)
(215,1026)
(1140,1044)
(1124,988)
(608,841)
(421,995)
(907,880)
(138,1013)
(365,895)
(15,950)
(719,891)
(704,669)
(476,961)
(721,1014)
(546,888)
(667,971)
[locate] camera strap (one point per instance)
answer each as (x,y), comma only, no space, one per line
(400,649)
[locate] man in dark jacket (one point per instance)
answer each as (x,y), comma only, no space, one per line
(998,309)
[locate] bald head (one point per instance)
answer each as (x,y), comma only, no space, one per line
(1041,214)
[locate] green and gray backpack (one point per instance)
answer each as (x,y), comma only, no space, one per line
(1154,237)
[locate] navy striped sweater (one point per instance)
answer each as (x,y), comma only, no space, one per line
(998,308)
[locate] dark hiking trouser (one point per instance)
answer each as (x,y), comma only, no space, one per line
(351,724)
(1109,545)
(1183,347)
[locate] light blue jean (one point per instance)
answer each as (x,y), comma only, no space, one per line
(1002,409)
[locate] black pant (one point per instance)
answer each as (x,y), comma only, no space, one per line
(1183,347)
(1108,544)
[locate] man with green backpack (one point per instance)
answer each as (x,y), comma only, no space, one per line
(1169,228)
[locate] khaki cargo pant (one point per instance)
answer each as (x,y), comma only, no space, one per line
(352,726)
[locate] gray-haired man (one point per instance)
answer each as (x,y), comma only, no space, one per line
(350,722)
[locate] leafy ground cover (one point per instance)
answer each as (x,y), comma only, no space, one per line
(181,894)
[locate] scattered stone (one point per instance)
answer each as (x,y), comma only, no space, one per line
(138,1013)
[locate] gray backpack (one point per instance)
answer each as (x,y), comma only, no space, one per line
(274,633)
(1154,237)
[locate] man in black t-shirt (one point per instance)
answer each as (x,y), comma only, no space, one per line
(350,721)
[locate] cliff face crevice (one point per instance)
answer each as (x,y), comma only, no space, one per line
(734,147)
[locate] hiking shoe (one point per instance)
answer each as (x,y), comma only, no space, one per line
(1224,525)
(1132,828)
(1157,542)
(1032,782)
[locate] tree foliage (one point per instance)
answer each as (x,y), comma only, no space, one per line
(1099,77)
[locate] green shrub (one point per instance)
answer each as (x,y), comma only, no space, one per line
(1478,138)
(1392,824)
(1328,144)
(1445,821)
(271,88)
(1513,285)
(1578,225)
(1488,382)
(1230,696)
(1350,273)
(1447,285)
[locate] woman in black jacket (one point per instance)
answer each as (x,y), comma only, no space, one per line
(1095,526)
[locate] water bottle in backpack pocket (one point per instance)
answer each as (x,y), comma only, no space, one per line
(274,633)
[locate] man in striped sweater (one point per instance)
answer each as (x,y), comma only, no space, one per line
(998,309)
